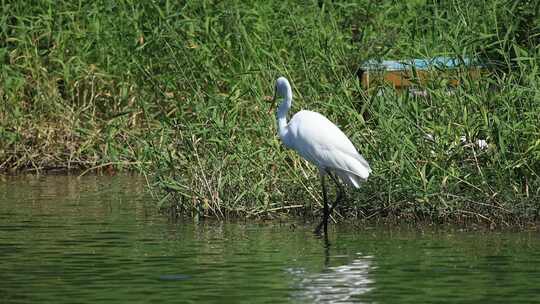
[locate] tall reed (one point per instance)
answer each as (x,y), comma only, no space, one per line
(178,90)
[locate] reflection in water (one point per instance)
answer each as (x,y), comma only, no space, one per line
(339,284)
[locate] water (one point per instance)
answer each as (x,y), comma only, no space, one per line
(99,239)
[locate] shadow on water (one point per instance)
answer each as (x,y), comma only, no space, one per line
(100,239)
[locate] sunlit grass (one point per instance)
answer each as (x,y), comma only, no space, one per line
(178,91)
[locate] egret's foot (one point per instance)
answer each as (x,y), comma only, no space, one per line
(317,230)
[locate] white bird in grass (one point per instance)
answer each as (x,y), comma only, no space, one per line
(323,144)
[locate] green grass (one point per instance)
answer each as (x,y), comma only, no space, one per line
(177,90)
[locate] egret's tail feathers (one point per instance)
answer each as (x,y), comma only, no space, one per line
(353,170)
(363,162)
(349,178)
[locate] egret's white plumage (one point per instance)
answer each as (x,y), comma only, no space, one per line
(320,142)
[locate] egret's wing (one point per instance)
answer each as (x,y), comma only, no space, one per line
(321,142)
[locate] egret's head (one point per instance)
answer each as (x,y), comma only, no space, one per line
(282,89)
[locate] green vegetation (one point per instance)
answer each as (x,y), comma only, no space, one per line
(177,90)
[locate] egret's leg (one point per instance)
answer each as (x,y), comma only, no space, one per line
(324,222)
(327,211)
(340,193)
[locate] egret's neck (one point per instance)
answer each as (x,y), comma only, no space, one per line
(282,115)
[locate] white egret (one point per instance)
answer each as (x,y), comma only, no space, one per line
(323,144)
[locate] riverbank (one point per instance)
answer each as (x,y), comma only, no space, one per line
(179,93)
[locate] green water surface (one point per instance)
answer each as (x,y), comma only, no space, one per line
(100,240)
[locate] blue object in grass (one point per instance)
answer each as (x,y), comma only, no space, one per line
(419,64)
